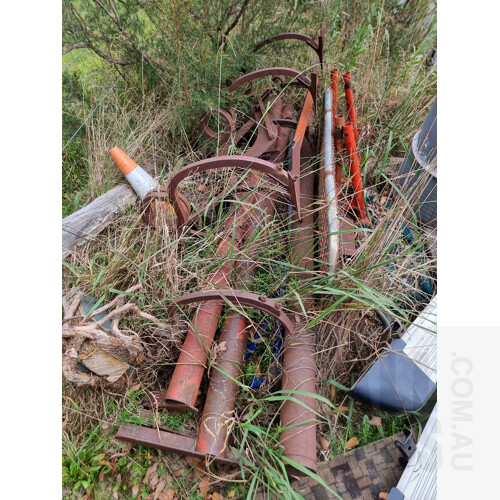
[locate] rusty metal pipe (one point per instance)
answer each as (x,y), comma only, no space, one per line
(349,97)
(299,371)
(357,183)
(218,412)
(190,367)
(335,90)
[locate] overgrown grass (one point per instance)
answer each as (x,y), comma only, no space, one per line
(152,114)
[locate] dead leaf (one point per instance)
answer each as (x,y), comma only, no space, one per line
(118,479)
(325,443)
(135,489)
(204,486)
(153,480)
(352,443)
(376,421)
(179,472)
(167,494)
(342,409)
(203,187)
(232,494)
(333,392)
(159,489)
(149,472)
(135,388)
(101,476)
(216,496)
(192,461)
(383,495)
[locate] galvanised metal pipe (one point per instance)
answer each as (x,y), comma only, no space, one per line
(220,403)
(349,97)
(330,188)
(357,183)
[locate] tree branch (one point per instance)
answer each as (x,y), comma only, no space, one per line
(74,46)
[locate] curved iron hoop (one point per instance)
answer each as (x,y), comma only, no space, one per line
(317,46)
(210,133)
(276,172)
(249,299)
(161,193)
(299,79)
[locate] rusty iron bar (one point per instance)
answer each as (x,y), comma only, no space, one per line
(168,441)
(149,209)
(349,97)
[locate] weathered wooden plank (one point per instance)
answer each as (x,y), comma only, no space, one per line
(92,219)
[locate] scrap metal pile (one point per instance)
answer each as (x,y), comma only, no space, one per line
(284,148)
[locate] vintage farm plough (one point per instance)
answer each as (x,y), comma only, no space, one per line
(282,147)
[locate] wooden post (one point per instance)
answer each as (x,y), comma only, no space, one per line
(92,219)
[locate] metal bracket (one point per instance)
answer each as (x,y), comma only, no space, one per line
(275,172)
(249,299)
(408,446)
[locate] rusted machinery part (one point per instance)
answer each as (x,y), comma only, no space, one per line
(349,98)
(276,172)
(157,400)
(299,78)
(218,413)
(316,45)
(276,103)
(280,150)
(335,89)
(299,371)
(190,367)
(299,422)
(149,214)
(261,302)
(262,143)
(168,441)
(211,134)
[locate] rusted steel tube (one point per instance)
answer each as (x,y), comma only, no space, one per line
(220,403)
(299,372)
(190,366)
(357,183)
(349,97)
(335,90)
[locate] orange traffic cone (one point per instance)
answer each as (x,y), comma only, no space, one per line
(138,178)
